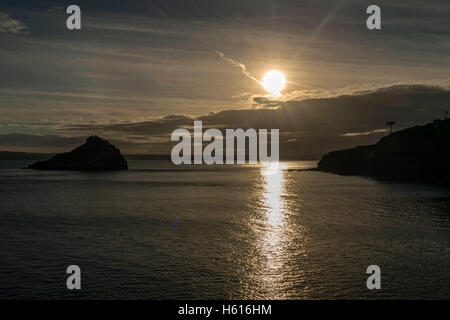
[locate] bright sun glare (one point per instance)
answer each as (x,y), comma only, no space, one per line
(274,82)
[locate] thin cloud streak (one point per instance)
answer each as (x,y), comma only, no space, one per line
(239,65)
(248,74)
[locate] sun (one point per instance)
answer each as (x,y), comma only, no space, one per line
(274,81)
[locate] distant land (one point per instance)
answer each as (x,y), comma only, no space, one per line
(420,153)
(10,155)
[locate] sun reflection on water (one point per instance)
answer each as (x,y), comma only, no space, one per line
(276,240)
(272,198)
(273,236)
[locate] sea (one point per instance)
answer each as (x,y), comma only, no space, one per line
(160,231)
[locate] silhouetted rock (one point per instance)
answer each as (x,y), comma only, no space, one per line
(420,153)
(95,155)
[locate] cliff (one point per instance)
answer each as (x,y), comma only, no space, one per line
(95,155)
(420,153)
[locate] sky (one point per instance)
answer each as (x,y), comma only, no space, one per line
(137,70)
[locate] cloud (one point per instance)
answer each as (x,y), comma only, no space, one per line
(266,101)
(155,127)
(10,25)
(308,126)
(359,89)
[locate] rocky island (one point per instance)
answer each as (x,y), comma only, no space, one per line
(94,155)
(420,153)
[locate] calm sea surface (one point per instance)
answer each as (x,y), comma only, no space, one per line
(240,232)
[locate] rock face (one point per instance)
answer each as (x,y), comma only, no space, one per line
(421,153)
(95,155)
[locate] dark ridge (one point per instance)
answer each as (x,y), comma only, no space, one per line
(420,153)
